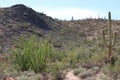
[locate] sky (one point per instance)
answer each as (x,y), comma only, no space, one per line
(66,9)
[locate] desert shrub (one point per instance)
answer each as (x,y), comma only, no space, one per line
(56,69)
(115,70)
(117,67)
(83,54)
(22,59)
(1,69)
(79,70)
(99,57)
(83,72)
(72,59)
(76,56)
(58,56)
(39,57)
(112,71)
(87,73)
(22,55)
(34,55)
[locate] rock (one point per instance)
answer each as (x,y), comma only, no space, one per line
(71,76)
(9,78)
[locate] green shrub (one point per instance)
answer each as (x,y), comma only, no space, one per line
(83,72)
(33,55)
(99,57)
(87,73)
(41,56)
(76,56)
(79,70)
(57,70)
(71,60)
(22,58)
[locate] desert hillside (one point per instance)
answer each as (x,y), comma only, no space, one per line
(77,45)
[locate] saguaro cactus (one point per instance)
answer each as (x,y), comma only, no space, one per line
(111,42)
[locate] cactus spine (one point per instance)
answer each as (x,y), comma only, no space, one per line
(111,42)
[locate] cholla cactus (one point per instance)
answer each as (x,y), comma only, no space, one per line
(111,42)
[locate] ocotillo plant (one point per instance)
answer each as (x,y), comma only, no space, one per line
(111,42)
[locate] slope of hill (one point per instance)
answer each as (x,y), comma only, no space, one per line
(21,20)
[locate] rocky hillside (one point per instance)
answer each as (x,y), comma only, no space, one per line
(77,50)
(20,20)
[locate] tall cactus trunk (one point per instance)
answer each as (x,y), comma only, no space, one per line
(109,37)
(109,53)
